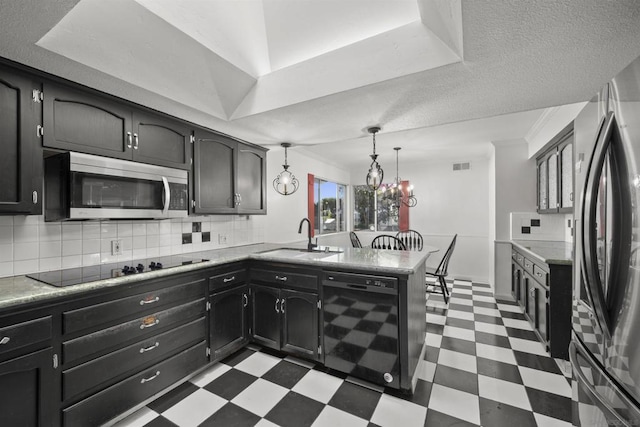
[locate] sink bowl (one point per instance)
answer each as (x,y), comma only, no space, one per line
(290,253)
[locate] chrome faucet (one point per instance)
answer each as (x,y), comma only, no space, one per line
(310,245)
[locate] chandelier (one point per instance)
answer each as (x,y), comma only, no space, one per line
(285,183)
(375,174)
(403,196)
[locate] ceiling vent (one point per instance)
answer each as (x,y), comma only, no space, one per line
(461,166)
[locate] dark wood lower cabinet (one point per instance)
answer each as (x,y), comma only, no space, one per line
(27,391)
(285,319)
(229,320)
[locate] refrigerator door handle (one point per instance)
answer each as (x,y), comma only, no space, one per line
(589,257)
(595,397)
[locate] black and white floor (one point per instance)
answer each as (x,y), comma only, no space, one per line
(483,367)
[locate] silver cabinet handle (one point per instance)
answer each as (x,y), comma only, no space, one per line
(151,347)
(129,145)
(152,377)
(281,278)
(282,305)
(246,300)
(526,264)
(135,141)
(167,195)
(34,197)
(277,301)
(229,279)
(149,301)
(538,274)
(4,340)
(239,198)
(148,325)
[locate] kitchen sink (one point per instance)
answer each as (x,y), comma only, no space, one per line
(294,253)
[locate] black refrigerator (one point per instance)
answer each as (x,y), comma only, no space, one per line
(605,345)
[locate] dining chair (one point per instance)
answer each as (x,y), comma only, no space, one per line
(387,241)
(411,239)
(355,242)
(440,272)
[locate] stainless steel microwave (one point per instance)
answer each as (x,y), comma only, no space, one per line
(82,186)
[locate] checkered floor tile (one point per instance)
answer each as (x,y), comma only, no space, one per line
(483,367)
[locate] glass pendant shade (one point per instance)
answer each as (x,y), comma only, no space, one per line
(375,174)
(405,196)
(285,183)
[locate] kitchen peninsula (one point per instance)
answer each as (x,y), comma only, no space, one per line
(102,348)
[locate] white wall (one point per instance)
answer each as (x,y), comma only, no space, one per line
(515,191)
(285,212)
(450,203)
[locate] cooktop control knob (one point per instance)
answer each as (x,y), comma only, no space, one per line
(140,268)
(128,270)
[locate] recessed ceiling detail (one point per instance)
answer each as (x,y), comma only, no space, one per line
(234,59)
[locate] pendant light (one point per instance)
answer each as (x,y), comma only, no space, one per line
(285,183)
(407,199)
(375,174)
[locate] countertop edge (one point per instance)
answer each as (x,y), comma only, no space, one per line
(556,261)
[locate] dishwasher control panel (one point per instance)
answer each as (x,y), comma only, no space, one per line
(360,280)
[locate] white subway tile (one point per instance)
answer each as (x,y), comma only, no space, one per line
(91,246)
(24,251)
(153,241)
(165,240)
(187,227)
(91,230)
(138,254)
(6,234)
(28,220)
(25,267)
(127,243)
(50,264)
(125,229)
(6,221)
(71,231)
(6,269)
(176,227)
(90,259)
(139,228)
(50,231)
(108,230)
(50,249)
(6,252)
(153,252)
(164,227)
(25,233)
(164,250)
(139,242)
(71,247)
(72,261)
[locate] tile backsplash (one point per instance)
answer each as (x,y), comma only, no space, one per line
(533,226)
(29,245)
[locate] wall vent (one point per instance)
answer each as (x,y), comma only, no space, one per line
(461,166)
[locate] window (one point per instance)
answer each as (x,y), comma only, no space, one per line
(374,210)
(329,206)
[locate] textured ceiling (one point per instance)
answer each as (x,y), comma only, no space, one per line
(436,75)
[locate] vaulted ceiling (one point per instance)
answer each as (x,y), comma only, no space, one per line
(434,74)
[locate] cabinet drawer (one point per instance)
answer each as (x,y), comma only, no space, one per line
(106,312)
(528,265)
(520,258)
(97,371)
(125,332)
(227,279)
(285,278)
(540,275)
(103,406)
(24,334)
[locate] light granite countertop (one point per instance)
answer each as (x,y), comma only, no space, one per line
(21,290)
(549,252)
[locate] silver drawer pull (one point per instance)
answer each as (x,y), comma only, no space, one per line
(281,278)
(151,347)
(526,264)
(229,279)
(277,309)
(153,377)
(146,324)
(246,300)
(149,301)
(538,274)
(4,340)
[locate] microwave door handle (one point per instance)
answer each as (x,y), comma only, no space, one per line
(167,195)
(589,257)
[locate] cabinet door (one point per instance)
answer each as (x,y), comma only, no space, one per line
(542,309)
(552,180)
(514,280)
(77,121)
(542,186)
(566,175)
(161,141)
(213,173)
(27,393)
(300,323)
(523,290)
(265,319)
(251,180)
(21,164)
(229,326)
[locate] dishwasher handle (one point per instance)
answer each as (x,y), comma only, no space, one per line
(361,288)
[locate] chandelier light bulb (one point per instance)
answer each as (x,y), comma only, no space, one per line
(285,183)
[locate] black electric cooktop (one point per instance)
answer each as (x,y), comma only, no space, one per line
(75,276)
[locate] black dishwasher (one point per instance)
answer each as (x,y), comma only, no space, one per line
(360,326)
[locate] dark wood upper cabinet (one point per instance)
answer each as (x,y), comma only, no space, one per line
(75,120)
(554,168)
(161,141)
(228,176)
(21,164)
